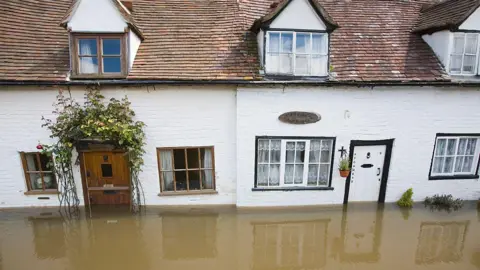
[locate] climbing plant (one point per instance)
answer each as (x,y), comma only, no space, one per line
(97,119)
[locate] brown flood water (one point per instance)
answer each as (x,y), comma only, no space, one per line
(361,237)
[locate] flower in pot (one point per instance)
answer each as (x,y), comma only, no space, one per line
(344,167)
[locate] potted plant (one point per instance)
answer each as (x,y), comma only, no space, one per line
(344,167)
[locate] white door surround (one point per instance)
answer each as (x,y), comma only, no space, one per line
(367,181)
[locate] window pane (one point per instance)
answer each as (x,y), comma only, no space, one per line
(286,63)
(289,174)
(456,63)
(319,65)
(88,65)
(206,158)
(107,170)
(192,158)
(469,64)
(32,164)
(166,160)
(287,42)
(326,151)
(300,152)
(451,146)
(274,179)
(87,46)
(263,149)
(167,181)
(290,152)
(319,44)
(181,180)
(458,43)
(194,180)
(301,65)
(207,179)
(448,166)
(458,164)
(462,147)
(274,42)
(111,46)
(262,175)
(471,145)
(50,181)
(471,44)
(46,162)
(275,151)
(441,146)
(179,159)
(36,181)
(324,174)
(315,146)
(298,174)
(312,175)
(112,65)
(438,164)
(303,43)
(468,164)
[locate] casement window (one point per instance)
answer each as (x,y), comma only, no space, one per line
(99,56)
(464,56)
(186,169)
(38,171)
(297,53)
(285,162)
(455,157)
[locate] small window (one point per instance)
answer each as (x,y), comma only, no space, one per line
(455,157)
(297,53)
(186,169)
(38,172)
(100,55)
(294,162)
(463,59)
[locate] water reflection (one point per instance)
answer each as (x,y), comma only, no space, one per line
(357,237)
(441,242)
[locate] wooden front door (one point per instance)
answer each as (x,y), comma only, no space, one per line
(106,178)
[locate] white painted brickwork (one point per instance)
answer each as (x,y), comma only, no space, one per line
(181,116)
(230,120)
(412,116)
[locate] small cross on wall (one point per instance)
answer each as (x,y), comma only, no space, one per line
(343,152)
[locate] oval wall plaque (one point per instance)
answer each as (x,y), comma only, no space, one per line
(300,118)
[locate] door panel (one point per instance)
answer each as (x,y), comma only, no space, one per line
(366,174)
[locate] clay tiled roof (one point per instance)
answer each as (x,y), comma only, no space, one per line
(211,40)
(449,14)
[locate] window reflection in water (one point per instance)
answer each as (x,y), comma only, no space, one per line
(292,245)
(49,237)
(189,237)
(441,242)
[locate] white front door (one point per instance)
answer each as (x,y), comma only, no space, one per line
(366,174)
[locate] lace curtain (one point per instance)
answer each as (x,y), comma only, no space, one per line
(207,173)
(166,166)
(89,64)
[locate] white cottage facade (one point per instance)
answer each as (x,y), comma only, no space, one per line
(222,140)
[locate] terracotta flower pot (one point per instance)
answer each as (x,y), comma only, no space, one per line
(344,173)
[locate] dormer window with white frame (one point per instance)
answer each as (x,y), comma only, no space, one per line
(464,54)
(296,53)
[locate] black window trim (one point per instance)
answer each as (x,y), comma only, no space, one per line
(329,187)
(453,177)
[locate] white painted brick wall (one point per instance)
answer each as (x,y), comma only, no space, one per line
(410,115)
(175,116)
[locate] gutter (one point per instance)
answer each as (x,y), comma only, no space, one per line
(240,82)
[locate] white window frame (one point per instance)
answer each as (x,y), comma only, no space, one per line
(451,54)
(294,53)
(306,163)
(473,170)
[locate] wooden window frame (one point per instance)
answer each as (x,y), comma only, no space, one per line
(23,156)
(99,54)
(164,192)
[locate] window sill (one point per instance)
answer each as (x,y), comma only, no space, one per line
(291,188)
(98,77)
(454,177)
(286,77)
(42,192)
(183,193)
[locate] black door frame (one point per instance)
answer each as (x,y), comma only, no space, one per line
(386,165)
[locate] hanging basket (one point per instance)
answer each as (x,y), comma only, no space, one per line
(344,174)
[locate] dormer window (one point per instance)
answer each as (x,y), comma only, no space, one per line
(464,56)
(297,53)
(99,56)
